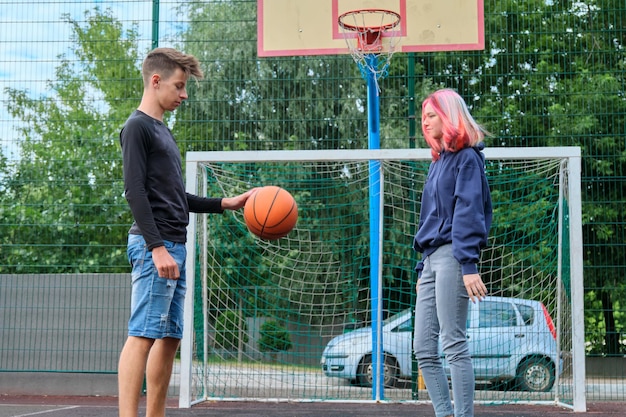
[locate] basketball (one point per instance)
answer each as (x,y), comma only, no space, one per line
(271,213)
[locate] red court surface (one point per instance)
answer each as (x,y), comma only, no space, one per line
(47,406)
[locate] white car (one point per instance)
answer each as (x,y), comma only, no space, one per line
(512,340)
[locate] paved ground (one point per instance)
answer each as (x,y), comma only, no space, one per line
(46,406)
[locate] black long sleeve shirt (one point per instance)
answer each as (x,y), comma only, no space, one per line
(153,182)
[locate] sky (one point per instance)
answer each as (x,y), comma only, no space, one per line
(33,35)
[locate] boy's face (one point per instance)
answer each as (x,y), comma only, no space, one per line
(171,91)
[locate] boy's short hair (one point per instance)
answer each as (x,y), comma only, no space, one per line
(165,61)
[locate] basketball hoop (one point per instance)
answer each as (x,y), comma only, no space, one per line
(371,38)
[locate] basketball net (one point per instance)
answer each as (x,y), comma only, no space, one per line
(371,39)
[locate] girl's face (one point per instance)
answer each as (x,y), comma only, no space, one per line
(431,123)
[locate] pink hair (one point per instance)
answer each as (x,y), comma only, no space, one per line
(460,130)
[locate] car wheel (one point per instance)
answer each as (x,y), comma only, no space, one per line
(365,372)
(535,374)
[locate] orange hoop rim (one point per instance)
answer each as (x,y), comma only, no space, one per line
(368,28)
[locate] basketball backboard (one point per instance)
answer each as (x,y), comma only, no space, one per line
(310,27)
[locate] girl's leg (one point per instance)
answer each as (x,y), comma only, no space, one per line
(452,304)
(426,344)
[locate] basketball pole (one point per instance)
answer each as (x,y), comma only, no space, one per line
(364,42)
(375,202)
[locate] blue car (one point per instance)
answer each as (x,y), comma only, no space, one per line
(512,341)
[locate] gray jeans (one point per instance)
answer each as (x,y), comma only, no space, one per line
(441,315)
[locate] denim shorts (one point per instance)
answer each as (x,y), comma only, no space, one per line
(156,307)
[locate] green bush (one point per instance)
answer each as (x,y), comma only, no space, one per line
(274,337)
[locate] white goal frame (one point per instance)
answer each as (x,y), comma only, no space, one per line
(571,154)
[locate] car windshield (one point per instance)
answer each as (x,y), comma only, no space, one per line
(395,316)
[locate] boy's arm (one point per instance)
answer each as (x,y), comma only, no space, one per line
(134,156)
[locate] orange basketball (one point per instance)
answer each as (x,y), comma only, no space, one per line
(271,213)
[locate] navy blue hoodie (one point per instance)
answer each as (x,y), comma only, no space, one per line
(456,208)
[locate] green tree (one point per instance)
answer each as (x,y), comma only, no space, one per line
(252,103)
(62,209)
(248,103)
(552,74)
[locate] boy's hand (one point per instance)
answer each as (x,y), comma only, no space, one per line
(164,263)
(235,203)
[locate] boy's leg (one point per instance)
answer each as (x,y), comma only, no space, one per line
(158,374)
(131,370)
(156,316)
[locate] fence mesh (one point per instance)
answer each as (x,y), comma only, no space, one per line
(552,74)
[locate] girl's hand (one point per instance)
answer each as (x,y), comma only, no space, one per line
(475,287)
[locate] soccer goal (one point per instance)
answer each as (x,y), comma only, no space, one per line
(259,314)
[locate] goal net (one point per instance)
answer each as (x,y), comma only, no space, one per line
(259,314)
